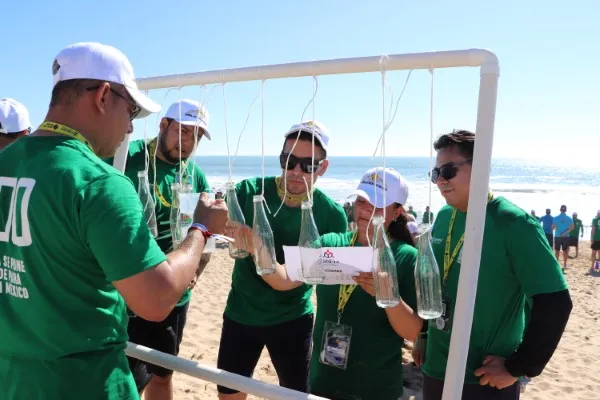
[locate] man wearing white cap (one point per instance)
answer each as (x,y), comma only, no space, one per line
(257,315)
(75,244)
(14,121)
(168,156)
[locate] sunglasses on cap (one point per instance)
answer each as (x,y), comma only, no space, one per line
(306,164)
(447,171)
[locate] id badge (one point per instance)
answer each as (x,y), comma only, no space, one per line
(336,345)
(444,322)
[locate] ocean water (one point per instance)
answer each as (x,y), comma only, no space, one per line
(532,185)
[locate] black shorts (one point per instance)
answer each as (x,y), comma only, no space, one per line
(163,336)
(596,245)
(550,238)
(561,242)
(573,241)
(288,343)
(433,388)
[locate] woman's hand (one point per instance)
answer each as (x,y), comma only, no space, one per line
(365,281)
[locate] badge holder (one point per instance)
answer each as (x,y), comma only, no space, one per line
(336,344)
(444,322)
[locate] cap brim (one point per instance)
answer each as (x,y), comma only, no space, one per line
(147,106)
(200,125)
(317,137)
(375,201)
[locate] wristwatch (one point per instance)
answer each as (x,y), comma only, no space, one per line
(205,232)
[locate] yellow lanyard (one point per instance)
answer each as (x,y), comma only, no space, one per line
(152,156)
(294,198)
(448,261)
(65,130)
(345,290)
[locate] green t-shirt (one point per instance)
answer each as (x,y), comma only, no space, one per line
(251,300)
(76,227)
(578,227)
(517,263)
(596,227)
(428,217)
(413,213)
(165,176)
(374,368)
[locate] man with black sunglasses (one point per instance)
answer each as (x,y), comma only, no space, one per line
(14,121)
(517,265)
(257,315)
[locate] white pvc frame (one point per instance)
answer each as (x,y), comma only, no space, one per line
(480,176)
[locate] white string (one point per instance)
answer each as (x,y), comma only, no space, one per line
(430,137)
(180,161)
(294,146)
(158,141)
(244,127)
(226,132)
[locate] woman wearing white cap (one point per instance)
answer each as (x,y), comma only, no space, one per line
(14,121)
(372,367)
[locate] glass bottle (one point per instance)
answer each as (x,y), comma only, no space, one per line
(185,220)
(264,244)
(147,202)
(174,216)
(310,247)
(427,278)
(236,216)
(385,275)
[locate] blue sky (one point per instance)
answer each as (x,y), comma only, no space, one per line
(549,90)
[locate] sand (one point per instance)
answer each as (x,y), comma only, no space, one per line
(573,373)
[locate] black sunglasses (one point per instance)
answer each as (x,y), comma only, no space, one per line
(306,164)
(130,101)
(447,171)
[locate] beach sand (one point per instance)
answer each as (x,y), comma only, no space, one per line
(573,373)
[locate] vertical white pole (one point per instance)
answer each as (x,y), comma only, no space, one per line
(469,273)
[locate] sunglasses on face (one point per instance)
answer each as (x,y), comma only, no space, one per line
(306,164)
(447,171)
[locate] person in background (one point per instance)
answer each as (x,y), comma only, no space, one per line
(349,210)
(14,121)
(412,212)
(534,216)
(562,226)
(428,216)
(516,264)
(547,222)
(164,164)
(256,315)
(413,228)
(595,239)
(575,234)
(83,253)
(371,367)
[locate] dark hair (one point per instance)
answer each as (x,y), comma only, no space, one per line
(304,136)
(398,229)
(67,92)
(462,140)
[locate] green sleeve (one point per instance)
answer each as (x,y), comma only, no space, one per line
(533,261)
(406,260)
(201,181)
(112,223)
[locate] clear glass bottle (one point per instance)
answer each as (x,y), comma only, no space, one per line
(174,216)
(185,220)
(264,244)
(147,202)
(385,275)
(236,216)
(427,278)
(310,247)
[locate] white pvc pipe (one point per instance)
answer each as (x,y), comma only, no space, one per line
(220,377)
(471,256)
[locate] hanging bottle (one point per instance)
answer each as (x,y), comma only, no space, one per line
(264,244)
(310,247)
(147,202)
(174,216)
(385,275)
(185,220)
(427,278)
(236,216)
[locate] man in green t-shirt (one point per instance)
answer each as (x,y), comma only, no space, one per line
(517,264)
(163,151)
(576,233)
(75,248)
(257,315)
(595,238)
(412,212)
(428,216)
(14,121)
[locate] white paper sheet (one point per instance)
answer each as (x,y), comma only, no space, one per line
(340,263)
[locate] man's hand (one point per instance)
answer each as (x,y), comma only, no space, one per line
(365,281)
(211,213)
(418,351)
(242,234)
(494,373)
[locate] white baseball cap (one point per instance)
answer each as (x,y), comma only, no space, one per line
(372,188)
(89,60)
(14,117)
(412,227)
(192,113)
(317,129)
